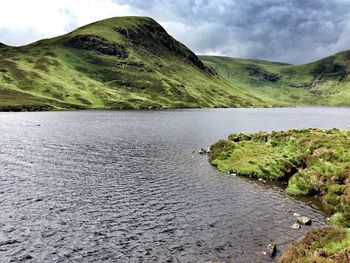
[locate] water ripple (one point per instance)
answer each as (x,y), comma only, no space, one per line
(126,187)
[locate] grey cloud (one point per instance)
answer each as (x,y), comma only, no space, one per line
(296,31)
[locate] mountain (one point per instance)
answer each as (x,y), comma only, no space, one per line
(117,63)
(133,63)
(324,82)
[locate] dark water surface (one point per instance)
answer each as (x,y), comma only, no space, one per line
(125,187)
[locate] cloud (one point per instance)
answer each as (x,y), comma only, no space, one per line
(22,22)
(295,31)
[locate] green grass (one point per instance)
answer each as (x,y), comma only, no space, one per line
(324,82)
(335,246)
(313,162)
(77,70)
(320,246)
(131,62)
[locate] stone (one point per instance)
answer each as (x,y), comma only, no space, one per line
(322,253)
(272,249)
(295,226)
(296,214)
(204,151)
(98,44)
(304,220)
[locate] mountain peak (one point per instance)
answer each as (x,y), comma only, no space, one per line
(122,35)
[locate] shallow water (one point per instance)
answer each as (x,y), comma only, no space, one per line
(105,186)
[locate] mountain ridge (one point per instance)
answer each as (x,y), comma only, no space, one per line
(133,63)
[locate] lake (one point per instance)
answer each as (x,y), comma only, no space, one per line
(125,186)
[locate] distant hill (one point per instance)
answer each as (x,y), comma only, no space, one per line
(324,82)
(123,62)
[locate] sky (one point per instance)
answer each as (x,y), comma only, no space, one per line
(293,31)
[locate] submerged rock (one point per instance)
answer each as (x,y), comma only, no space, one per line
(295,226)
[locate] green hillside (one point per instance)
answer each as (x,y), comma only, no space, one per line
(125,62)
(324,82)
(131,62)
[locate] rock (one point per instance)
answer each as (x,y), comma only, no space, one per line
(97,44)
(204,151)
(256,71)
(296,214)
(303,220)
(322,253)
(272,249)
(300,85)
(156,40)
(295,226)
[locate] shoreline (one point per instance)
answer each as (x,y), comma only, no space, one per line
(175,108)
(312,162)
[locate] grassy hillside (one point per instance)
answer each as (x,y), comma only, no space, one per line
(324,82)
(125,62)
(131,62)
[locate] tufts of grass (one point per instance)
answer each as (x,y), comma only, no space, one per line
(312,161)
(329,244)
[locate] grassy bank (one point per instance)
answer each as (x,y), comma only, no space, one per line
(312,162)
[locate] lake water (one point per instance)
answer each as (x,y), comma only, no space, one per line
(124,186)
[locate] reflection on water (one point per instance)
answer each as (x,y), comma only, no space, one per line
(125,187)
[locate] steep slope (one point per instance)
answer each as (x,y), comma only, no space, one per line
(324,82)
(125,62)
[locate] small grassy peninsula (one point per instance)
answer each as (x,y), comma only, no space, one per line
(312,162)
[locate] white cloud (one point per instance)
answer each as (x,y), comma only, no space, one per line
(48,18)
